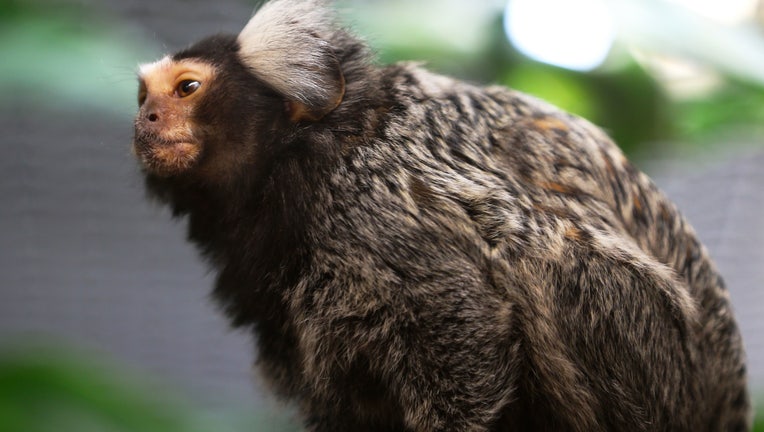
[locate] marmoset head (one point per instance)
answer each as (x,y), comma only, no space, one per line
(205,110)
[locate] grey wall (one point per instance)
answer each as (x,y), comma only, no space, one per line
(722,194)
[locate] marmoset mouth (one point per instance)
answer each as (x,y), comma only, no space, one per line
(164,157)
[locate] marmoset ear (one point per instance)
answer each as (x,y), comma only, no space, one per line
(287,45)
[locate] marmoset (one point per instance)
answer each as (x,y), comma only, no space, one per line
(417,253)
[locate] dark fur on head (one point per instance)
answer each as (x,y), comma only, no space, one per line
(416,253)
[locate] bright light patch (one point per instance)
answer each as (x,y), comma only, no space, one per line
(575,35)
(725,11)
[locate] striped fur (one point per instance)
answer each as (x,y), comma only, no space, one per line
(431,255)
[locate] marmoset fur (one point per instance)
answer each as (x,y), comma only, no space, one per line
(416,253)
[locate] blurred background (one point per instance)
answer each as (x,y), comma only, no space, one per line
(105,322)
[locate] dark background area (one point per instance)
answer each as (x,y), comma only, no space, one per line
(88,265)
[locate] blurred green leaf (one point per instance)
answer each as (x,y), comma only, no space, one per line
(63,57)
(567,90)
(47,390)
(735,106)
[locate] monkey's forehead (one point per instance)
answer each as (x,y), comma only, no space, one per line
(153,68)
(166,72)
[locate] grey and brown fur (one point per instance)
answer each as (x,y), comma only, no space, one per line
(430,255)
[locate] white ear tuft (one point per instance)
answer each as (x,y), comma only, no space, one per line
(287,45)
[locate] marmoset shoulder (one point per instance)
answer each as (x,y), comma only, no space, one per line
(418,253)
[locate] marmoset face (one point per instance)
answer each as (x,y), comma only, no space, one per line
(167,137)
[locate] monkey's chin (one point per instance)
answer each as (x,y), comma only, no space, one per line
(167,159)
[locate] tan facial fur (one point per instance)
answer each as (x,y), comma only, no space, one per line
(165,138)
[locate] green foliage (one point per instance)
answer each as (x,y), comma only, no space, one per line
(737,104)
(758,420)
(44,391)
(67,57)
(54,390)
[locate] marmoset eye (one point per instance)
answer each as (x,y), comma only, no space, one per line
(185,88)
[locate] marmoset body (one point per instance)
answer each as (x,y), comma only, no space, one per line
(416,253)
